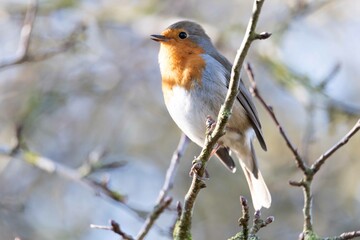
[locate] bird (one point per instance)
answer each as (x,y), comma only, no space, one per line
(195,80)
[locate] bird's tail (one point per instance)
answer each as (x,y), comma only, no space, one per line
(259,192)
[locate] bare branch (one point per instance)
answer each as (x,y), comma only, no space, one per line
(163,200)
(349,235)
(115,227)
(23,55)
(331,75)
(158,210)
(309,172)
(321,160)
(258,223)
(254,90)
(244,220)
(25,35)
(20,151)
(171,171)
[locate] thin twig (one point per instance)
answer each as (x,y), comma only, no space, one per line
(258,223)
(321,160)
(25,35)
(163,200)
(171,171)
(21,151)
(183,228)
(254,90)
(115,227)
(330,76)
(244,220)
(23,55)
(349,235)
(309,172)
(150,220)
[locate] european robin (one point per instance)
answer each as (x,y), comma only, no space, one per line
(195,80)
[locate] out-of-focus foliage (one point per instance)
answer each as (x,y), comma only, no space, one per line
(105,92)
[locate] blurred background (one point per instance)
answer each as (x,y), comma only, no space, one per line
(97,90)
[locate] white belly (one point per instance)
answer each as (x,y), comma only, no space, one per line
(189,109)
(189,113)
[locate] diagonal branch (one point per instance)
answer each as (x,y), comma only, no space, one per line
(321,160)
(171,172)
(163,200)
(254,90)
(25,35)
(23,55)
(308,172)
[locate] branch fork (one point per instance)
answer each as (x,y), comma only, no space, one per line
(308,171)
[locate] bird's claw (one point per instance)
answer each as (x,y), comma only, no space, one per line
(210,124)
(196,166)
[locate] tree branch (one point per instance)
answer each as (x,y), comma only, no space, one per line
(115,227)
(171,171)
(150,220)
(244,220)
(163,200)
(308,172)
(23,55)
(321,160)
(183,228)
(254,90)
(25,35)
(258,223)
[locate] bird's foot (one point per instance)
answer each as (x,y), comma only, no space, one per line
(196,166)
(210,125)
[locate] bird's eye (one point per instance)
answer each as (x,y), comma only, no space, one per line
(183,35)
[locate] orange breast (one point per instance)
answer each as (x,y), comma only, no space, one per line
(181,64)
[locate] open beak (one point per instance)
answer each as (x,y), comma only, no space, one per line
(159,38)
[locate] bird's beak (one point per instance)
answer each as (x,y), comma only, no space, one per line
(159,38)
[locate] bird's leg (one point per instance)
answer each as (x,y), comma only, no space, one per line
(210,125)
(218,145)
(196,165)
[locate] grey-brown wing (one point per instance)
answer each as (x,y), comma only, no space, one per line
(244,98)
